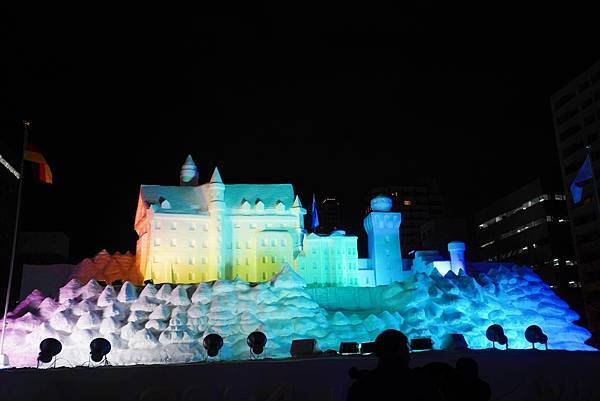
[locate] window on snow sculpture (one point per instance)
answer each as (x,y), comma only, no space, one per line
(272,259)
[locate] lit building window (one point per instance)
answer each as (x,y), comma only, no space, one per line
(156,241)
(192,243)
(173,225)
(192,260)
(407,202)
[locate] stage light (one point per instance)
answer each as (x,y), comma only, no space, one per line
(421,344)
(99,348)
(348,348)
(367,348)
(495,333)
(256,341)
(49,348)
(454,342)
(212,344)
(534,334)
(304,347)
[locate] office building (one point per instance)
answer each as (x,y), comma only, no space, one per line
(576,116)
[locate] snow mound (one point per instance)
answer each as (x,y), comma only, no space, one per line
(167,325)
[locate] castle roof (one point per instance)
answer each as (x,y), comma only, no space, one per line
(195,199)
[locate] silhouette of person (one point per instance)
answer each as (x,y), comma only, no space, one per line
(392,379)
(475,388)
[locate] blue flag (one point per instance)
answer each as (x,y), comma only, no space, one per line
(315,215)
(584,174)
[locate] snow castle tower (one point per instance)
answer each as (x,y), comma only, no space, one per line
(383,229)
(189,173)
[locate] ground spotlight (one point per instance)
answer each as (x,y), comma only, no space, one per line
(256,341)
(367,348)
(534,334)
(212,344)
(49,348)
(421,344)
(99,348)
(348,348)
(495,333)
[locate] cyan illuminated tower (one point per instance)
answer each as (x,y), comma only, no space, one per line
(383,229)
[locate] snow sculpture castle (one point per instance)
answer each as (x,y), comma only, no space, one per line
(194,233)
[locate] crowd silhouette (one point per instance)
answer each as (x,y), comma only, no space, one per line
(392,379)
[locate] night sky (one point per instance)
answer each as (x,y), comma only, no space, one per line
(333,100)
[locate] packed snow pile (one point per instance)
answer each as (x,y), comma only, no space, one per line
(108,268)
(167,324)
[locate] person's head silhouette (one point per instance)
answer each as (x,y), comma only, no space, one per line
(468,367)
(391,346)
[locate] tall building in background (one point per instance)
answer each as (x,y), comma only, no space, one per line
(530,226)
(437,233)
(419,202)
(330,214)
(575,113)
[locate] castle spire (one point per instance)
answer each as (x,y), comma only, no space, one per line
(297,202)
(216,177)
(189,173)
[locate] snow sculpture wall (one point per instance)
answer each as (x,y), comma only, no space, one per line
(167,324)
(329,259)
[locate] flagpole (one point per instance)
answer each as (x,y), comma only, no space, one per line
(4,363)
(597,200)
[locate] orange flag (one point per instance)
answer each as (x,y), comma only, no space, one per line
(33,155)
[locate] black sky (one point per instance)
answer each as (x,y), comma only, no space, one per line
(331,99)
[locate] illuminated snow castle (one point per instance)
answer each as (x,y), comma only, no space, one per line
(242,261)
(195,233)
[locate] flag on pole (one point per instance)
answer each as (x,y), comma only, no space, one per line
(315,215)
(33,155)
(585,173)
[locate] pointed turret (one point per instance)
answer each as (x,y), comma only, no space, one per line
(189,173)
(216,177)
(297,202)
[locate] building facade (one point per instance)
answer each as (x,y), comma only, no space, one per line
(419,202)
(329,259)
(193,233)
(530,226)
(203,232)
(576,118)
